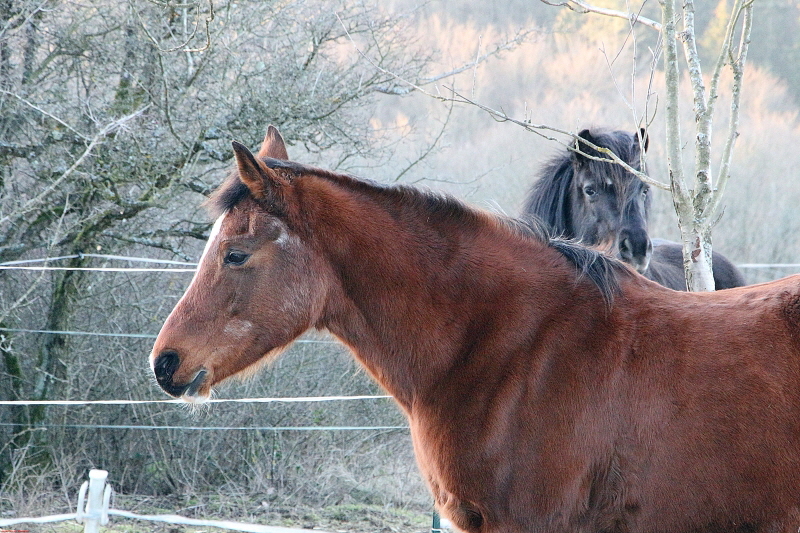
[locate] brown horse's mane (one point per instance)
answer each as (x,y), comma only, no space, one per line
(601,269)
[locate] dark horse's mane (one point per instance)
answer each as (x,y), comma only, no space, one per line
(599,268)
(548,195)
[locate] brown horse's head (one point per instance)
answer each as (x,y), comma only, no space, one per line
(258,285)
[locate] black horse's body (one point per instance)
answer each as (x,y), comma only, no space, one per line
(666,267)
(601,204)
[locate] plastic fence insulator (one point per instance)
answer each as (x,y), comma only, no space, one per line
(107,492)
(436,526)
(94,514)
(439,524)
(81,502)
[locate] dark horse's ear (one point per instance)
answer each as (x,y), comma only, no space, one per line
(643,138)
(273,145)
(264,183)
(583,148)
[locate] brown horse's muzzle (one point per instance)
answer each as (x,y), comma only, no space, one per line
(165,365)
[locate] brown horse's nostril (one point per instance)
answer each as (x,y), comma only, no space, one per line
(166,364)
(164,368)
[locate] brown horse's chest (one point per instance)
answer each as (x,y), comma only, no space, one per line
(488,477)
(450,475)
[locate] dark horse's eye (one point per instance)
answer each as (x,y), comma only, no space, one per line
(589,190)
(235,257)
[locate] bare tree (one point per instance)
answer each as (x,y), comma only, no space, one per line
(113,115)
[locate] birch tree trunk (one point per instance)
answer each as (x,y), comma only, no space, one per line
(697,207)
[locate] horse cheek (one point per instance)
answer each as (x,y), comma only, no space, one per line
(284,296)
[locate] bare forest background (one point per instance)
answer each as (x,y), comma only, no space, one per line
(116,119)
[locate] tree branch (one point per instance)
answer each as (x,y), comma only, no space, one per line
(538,129)
(579,6)
(180,48)
(102,134)
(411,86)
(674,159)
(746,8)
(45,113)
(430,148)
(702,111)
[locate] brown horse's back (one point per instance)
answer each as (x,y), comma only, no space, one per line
(650,420)
(712,402)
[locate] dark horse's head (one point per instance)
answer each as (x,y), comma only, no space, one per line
(597,202)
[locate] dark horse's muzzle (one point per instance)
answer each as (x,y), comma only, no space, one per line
(635,248)
(164,368)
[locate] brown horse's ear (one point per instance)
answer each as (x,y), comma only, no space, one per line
(264,183)
(643,138)
(273,145)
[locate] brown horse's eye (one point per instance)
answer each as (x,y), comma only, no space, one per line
(235,257)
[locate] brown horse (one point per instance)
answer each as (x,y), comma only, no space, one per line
(548,387)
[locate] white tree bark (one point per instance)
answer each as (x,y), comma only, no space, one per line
(696,239)
(697,207)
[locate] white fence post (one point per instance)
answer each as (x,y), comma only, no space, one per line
(93,509)
(96,512)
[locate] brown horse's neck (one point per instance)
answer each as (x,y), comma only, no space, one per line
(425,290)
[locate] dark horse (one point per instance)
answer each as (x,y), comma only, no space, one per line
(602,204)
(548,387)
